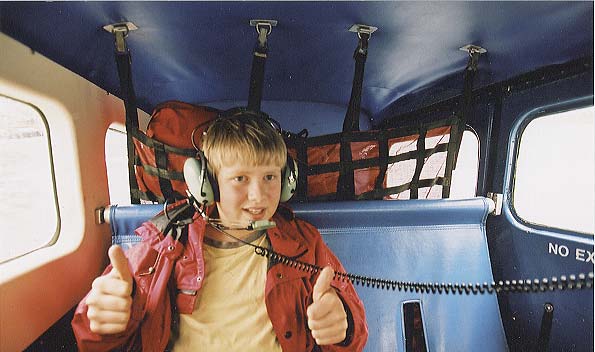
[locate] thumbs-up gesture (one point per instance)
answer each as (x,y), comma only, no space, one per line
(109,302)
(327,319)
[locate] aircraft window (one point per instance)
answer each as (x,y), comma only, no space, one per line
(117,164)
(554,171)
(27,183)
(464,177)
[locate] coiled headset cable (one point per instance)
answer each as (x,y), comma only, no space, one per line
(561,283)
(570,282)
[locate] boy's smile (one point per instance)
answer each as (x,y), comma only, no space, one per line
(247,193)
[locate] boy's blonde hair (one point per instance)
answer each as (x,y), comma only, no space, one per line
(245,138)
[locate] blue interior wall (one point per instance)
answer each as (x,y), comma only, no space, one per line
(519,250)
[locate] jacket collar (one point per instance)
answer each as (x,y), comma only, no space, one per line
(279,237)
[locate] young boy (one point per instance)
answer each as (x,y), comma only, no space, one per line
(223,296)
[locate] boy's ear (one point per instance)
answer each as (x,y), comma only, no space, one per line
(289,180)
(197,180)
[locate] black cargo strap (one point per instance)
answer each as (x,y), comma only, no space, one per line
(161,162)
(456,133)
(123,61)
(346,187)
(419,163)
(257,74)
(351,122)
(467,96)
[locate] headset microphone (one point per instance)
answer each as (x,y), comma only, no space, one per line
(257,225)
(261,225)
(252,226)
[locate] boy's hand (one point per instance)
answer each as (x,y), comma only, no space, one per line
(109,302)
(326,316)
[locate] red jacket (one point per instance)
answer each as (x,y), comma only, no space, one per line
(288,291)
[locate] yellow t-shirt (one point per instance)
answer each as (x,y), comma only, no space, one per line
(230,312)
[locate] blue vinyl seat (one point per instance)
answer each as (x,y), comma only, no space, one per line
(414,240)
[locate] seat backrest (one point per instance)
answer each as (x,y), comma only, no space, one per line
(414,240)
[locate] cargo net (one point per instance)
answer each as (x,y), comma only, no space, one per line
(399,163)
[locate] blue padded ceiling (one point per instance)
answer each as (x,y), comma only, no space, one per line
(201,52)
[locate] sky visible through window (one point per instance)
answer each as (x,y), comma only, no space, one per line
(28,215)
(554,180)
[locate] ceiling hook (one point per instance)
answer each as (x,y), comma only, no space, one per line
(474,52)
(263,28)
(120,31)
(364,32)
(363,29)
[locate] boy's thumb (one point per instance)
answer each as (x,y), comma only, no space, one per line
(323,283)
(119,263)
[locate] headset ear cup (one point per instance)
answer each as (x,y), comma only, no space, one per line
(197,180)
(289,180)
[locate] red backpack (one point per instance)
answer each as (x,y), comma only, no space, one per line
(173,135)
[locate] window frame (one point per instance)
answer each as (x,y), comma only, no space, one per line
(514,142)
(54,238)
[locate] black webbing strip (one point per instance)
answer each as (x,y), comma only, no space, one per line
(345,186)
(489,174)
(453,150)
(152,143)
(166,174)
(466,100)
(441,147)
(446,179)
(351,122)
(257,77)
(429,183)
(123,62)
(419,164)
(161,163)
(303,169)
(382,159)
(131,171)
(456,132)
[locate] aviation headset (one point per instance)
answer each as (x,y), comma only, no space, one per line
(202,186)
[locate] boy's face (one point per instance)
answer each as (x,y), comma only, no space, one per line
(248,193)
